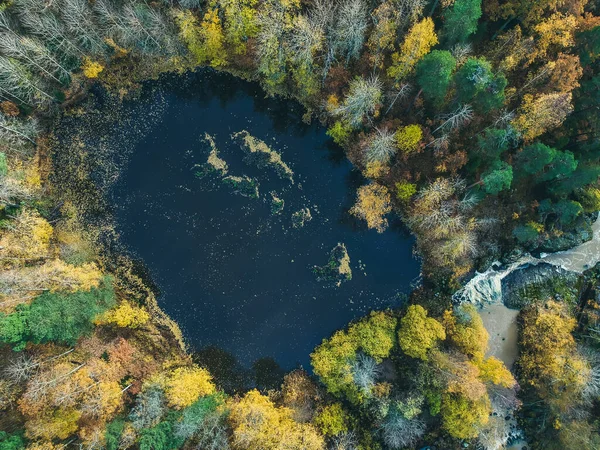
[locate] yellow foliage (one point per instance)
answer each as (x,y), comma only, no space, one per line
(463,418)
(205,41)
(417,43)
(376,169)
(538,115)
(418,333)
(183,386)
(60,424)
(466,331)
(91,69)
(259,425)
(332,420)
(558,30)
(372,204)
(408,138)
(43,446)
(28,238)
(492,370)
(549,359)
(125,316)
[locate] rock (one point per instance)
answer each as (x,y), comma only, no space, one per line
(533,283)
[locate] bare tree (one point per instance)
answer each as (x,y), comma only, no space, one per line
(456,119)
(399,432)
(17,82)
(344,441)
(20,368)
(363,99)
(17,131)
(365,372)
(381,146)
(350,29)
(78,19)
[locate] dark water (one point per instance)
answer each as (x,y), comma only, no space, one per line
(230,273)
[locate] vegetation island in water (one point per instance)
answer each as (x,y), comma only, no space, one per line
(473,121)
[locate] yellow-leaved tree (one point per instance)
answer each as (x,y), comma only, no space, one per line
(260,425)
(184,385)
(417,43)
(419,333)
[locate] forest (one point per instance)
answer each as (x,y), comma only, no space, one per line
(475,122)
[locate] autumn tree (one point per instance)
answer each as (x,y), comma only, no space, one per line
(372,204)
(417,43)
(240,22)
(543,113)
(418,333)
(258,424)
(408,138)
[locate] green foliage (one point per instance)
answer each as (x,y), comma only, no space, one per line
(194,416)
(589,198)
(561,167)
(3,165)
(497,178)
(333,359)
(340,132)
(11,441)
(158,437)
(477,83)
(493,142)
(566,211)
(584,175)
(434,73)
(113,432)
(461,20)
(405,190)
(535,157)
(56,317)
(526,234)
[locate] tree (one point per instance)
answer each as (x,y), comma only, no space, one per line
(57,317)
(332,420)
(183,386)
(543,113)
(565,210)
(350,28)
(258,424)
(533,158)
(419,333)
(405,190)
(240,22)
(125,316)
(466,331)
(463,418)
(476,82)
(29,237)
(434,73)
(361,102)
(497,178)
(332,360)
(205,41)
(461,20)
(408,138)
(381,146)
(11,441)
(400,431)
(492,370)
(417,43)
(372,204)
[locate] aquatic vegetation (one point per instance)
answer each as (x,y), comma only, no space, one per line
(301,217)
(260,154)
(337,270)
(244,185)
(277,204)
(214,164)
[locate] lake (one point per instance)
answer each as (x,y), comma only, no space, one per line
(231,272)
